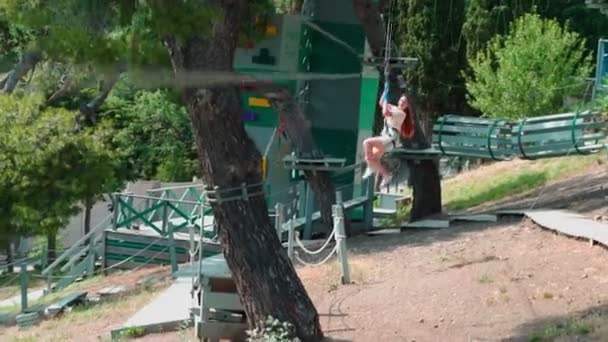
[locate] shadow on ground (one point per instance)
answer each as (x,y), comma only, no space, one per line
(588,325)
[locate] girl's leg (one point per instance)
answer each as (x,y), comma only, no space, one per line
(374,149)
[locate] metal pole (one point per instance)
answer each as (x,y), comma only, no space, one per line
(338,212)
(291,238)
(279,219)
(172,255)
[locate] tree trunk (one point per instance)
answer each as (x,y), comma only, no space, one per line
(265,278)
(10,259)
(88,205)
(424,174)
(51,242)
(27,63)
(298,129)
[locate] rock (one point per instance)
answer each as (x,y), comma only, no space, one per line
(584,276)
(421,320)
(441,320)
(436,326)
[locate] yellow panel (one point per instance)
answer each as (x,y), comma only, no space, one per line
(259,102)
(271,30)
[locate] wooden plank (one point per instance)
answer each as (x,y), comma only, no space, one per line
(466,119)
(475,218)
(62,303)
(571,224)
(434,224)
(561,116)
(469,130)
(181,257)
(471,140)
(573,152)
(558,126)
(222,301)
(144,239)
(557,136)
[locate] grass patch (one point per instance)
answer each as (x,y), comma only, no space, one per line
(87,318)
(10,283)
(516,178)
(486,278)
(471,195)
(568,328)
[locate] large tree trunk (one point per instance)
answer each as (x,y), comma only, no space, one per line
(265,278)
(88,205)
(298,130)
(27,63)
(424,174)
(10,259)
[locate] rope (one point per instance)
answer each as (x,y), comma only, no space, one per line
(299,242)
(333,251)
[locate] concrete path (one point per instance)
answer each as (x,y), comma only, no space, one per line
(169,311)
(571,224)
(16,299)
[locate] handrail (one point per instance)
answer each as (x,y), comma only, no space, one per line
(157,198)
(75,258)
(199,185)
(99,227)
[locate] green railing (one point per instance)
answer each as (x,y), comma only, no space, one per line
(158,213)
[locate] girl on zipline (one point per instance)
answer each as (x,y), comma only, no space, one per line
(398,123)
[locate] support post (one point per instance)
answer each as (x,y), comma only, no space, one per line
(279,219)
(192,244)
(291,237)
(338,212)
(172,255)
(23,285)
(368,207)
(116,212)
(165,221)
(308,211)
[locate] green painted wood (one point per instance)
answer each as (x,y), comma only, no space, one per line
(502,152)
(471,140)
(451,118)
(559,148)
(580,140)
(113,244)
(76,272)
(561,116)
(560,126)
(470,130)
(142,240)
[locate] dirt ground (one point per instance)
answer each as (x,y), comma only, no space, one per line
(474,281)
(501,281)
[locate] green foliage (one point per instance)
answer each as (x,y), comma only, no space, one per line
(45,168)
(570,327)
(430,31)
(154,135)
(273,331)
(530,71)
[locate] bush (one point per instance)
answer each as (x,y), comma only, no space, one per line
(273,331)
(530,71)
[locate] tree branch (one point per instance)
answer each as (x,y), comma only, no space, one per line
(88,111)
(27,63)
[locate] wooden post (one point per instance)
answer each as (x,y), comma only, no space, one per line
(172,249)
(368,207)
(308,211)
(192,244)
(279,219)
(338,212)
(165,220)
(23,285)
(291,237)
(115,214)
